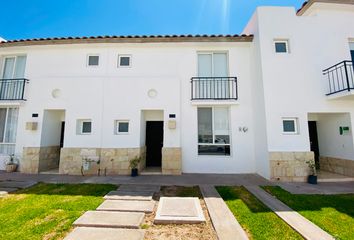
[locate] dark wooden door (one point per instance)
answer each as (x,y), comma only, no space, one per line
(62,134)
(352,54)
(314,141)
(154,142)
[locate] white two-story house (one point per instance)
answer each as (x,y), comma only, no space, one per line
(265,101)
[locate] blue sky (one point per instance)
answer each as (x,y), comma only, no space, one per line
(60,18)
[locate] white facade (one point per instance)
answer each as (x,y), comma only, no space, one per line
(271,87)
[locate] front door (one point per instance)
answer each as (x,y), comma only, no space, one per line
(154,142)
(314,142)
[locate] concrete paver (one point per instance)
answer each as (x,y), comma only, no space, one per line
(127,206)
(139,188)
(224,222)
(179,210)
(121,195)
(110,219)
(303,226)
(89,233)
(8,190)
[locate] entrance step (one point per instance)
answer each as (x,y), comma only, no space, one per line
(127,206)
(88,233)
(151,171)
(121,195)
(139,188)
(105,219)
(324,176)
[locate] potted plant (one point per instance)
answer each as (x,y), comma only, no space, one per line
(11,165)
(312,178)
(134,166)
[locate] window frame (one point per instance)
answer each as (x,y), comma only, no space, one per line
(117,122)
(213,132)
(124,55)
(88,60)
(296,127)
(81,125)
(286,41)
(212,61)
(15,63)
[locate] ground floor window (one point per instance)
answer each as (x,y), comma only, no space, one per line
(8,130)
(213,131)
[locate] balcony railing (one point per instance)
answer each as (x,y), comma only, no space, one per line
(214,88)
(13,89)
(340,77)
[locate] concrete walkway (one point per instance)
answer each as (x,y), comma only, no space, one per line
(224,222)
(9,186)
(303,226)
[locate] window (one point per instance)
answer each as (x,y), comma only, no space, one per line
(14,67)
(213,131)
(122,127)
(124,61)
(93,60)
(8,130)
(84,127)
(290,126)
(281,46)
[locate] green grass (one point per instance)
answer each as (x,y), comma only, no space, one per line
(257,220)
(47,211)
(332,213)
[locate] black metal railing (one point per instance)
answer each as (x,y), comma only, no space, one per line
(214,88)
(340,77)
(13,89)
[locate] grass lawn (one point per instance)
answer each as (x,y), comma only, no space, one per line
(332,213)
(46,211)
(257,219)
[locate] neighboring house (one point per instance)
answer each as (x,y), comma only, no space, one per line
(264,102)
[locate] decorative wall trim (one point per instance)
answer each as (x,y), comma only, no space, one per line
(337,165)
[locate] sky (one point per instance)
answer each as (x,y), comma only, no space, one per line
(21,19)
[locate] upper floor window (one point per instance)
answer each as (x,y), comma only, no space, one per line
(93,60)
(84,126)
(122,127)
(124,60)
(14,67)
(290,126)
(281,46)
(214,64)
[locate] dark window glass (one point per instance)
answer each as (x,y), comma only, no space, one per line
(124,61)
(214,150)
(93,60)
(205,128)
(123,127)
(280,47)
(86,127)
(288,125)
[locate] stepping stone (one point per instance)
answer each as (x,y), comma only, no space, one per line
(139,188)
(121,195)
(88,233)
(106,219)
(17,184)
(127,206)
(179,210)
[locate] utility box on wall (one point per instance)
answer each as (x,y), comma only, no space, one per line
(32,126)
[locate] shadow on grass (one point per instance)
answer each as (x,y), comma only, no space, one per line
(343,203)
(95,190)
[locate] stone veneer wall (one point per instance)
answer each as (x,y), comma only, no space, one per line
(290,166)
(171,161)
(337,165)
(48,158)
(36,159)
(112,161)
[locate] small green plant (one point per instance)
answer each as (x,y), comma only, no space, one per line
(12,160)
(312,165)
(134,162)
